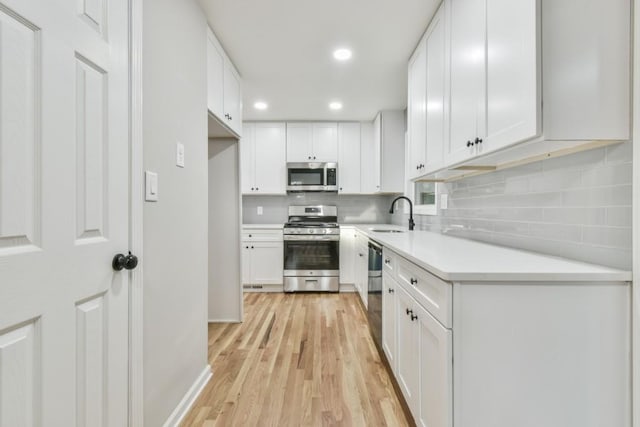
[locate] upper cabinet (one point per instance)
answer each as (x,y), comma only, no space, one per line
(427,98)
(476,98)
(312,142)
(263,158)
(349,158)
(382,154)
(224,87)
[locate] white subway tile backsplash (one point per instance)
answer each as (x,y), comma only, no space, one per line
(577,206)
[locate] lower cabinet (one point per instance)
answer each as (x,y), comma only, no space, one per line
(262,259)
(347,255)
(524,351)
(362,266)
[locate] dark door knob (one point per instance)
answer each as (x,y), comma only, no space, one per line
(469,144)
(409,311)
(390,290)
(121,262)
(413,317)
(413,281)
(478,141)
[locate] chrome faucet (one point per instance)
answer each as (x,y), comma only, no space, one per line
(412,224)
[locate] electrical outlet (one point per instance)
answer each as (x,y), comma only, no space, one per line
(179,154)
(260,210)
(444,201)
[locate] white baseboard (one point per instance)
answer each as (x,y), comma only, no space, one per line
(187,401)
(225,321)
(347,287)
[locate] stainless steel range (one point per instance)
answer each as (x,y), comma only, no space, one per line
(312,249)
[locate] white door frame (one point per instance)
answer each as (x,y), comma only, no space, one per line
(136,205)
(635,307)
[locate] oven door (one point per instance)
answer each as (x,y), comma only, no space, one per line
(311,256)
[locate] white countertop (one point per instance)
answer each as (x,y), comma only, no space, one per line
(262,226)
(456,259)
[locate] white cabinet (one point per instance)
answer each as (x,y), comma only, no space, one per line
(389,319)
(361,266)
(382,154)
(407,351)
(224,86)
(263,158)
(312,142)
(347,255)
(349,158)
(262,257)
(428,98)
(485,61)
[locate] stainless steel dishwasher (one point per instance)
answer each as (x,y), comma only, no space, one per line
(374,295)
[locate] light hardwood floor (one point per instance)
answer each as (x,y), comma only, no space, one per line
(297,360)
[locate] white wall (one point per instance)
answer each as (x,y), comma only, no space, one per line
(175,228)
(225,289)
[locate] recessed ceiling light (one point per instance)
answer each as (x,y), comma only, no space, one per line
(342,54)
(335,105)
(260,105)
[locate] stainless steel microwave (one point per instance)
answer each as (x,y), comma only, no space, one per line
(312,176)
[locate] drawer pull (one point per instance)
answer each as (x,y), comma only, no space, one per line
(413,281)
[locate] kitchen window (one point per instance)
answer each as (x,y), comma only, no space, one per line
(424,197)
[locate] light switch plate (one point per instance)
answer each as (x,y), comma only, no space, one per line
(260,210)
(444,201)
(179,154)
(151,186)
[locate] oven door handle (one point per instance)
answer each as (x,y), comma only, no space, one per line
(311,238)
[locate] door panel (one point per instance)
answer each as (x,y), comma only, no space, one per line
(407,349)
(232,98)
(389,320)
(270,158)
(299,142)
(325,142)
(417,110)
(246,263)
(64,188)
(436,376)
(349,158)
(468,57)
(247,158)
(266,263)
(215,78)
(436,100)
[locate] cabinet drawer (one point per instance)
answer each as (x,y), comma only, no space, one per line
(261,235)
(389,262)
(429,291)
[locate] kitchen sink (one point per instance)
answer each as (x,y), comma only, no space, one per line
(377,230)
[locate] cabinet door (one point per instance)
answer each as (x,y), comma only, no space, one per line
(407,349)
(435,372)
(347,255)
(417,110)
(468,58)
(367,158)
(270,158)
(299,142)
(247,159)
(377,147)
(513,93)
(232,98)
(267,263)
(436,99)
(246,263)
(349,158)
(215,77)
(325,142)
(389,319)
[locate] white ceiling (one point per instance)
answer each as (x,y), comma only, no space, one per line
(283,50)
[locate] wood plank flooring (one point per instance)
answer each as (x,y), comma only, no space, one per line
(297,360)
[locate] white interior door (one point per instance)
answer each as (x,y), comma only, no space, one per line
(64,188)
